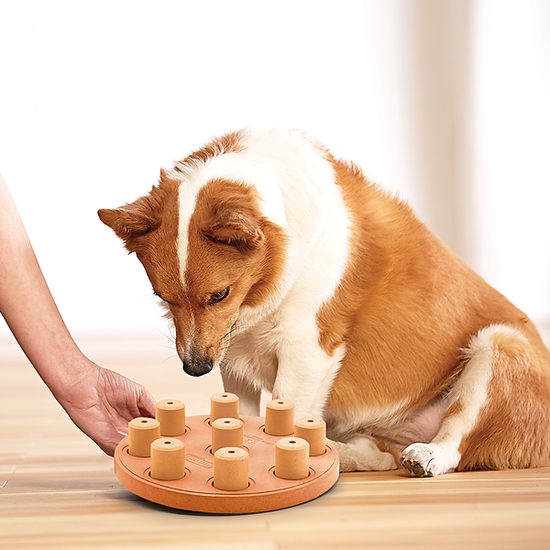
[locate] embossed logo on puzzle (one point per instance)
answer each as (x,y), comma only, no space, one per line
(253,439)
(199,461)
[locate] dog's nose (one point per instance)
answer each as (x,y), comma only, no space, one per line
(198,366)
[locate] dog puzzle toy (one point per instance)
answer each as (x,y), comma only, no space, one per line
(226,463)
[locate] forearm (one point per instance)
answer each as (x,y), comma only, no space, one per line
(27,304)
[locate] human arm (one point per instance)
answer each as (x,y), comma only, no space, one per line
(99,401)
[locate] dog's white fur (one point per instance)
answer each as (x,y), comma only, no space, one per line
(317,225)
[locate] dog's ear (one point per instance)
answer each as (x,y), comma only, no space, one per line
(131,220)
(235,228)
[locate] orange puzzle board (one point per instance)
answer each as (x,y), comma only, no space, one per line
(195,491)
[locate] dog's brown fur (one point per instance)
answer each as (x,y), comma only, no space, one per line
(406,307)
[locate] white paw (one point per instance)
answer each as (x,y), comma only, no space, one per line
(428,460)
(384,461)
(367,456)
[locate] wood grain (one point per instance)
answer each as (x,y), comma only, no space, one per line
(57,490)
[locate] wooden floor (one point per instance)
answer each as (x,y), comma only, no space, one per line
(57,490)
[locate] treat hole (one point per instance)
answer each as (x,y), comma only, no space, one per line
(310,472)
(168,443)
(292,441)
(144,421)
(281,402)
(310,420)
(224,395)
(227,421)
(170,402)
(231,452)
(211,483)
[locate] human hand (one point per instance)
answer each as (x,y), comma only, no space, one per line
(101,402)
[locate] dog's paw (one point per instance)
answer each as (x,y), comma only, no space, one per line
(384,461)
(428,460)
(361,454)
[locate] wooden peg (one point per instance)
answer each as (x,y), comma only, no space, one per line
(279,417)
(141,433)
(224,405)
(171,415)
(227,432)
(167,459)
(313,430)
(292,458)
(231,469)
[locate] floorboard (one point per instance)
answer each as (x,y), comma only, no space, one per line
(57,490)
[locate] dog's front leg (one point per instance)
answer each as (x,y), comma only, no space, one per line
(305,371)
(305,375)
(249,396)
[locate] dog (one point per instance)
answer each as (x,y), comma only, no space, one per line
(287,269)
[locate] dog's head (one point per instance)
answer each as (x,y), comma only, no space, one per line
(208,252)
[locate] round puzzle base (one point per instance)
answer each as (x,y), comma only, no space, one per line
(196,492)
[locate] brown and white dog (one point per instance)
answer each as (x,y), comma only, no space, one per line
(286,268)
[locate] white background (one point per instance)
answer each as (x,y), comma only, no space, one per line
(446,103)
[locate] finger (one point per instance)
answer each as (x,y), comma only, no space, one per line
(109,445)
(107,449)
(146,403)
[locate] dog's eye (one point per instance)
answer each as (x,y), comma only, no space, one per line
(216,297)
